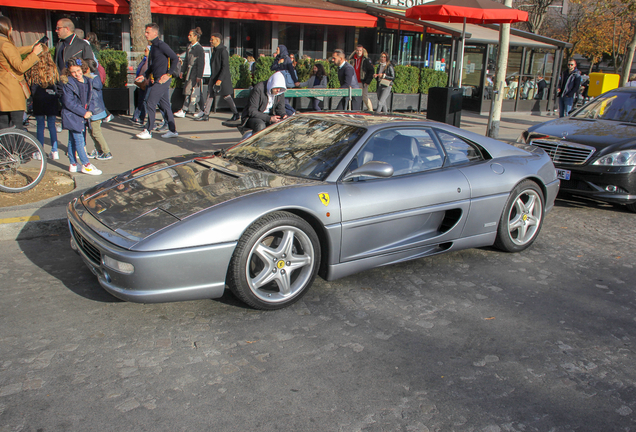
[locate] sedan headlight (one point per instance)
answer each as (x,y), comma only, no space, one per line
(621,158)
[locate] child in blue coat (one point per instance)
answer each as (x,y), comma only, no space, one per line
(77,109)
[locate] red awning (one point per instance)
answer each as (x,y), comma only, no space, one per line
(214,9)
(262,12)
(392,23)
(95,6)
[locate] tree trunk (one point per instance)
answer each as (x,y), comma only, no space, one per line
(139,17)
(500,79)
(629,57)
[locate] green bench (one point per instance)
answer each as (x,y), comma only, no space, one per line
(307,92)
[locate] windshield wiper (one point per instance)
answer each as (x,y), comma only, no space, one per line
(254,163)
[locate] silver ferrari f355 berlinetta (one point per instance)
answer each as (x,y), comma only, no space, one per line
(318,194)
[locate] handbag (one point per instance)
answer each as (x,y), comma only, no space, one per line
(25,88)
(142,84)
(385,82)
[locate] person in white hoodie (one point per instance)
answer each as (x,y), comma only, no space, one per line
(266,105)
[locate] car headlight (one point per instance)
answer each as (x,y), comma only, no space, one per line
(118,266)
(621,158)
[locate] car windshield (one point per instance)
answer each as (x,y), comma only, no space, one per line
(301,146)
(616,106)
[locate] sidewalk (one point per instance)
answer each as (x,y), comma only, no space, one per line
(48,217)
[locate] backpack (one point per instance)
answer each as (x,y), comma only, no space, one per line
(102,73)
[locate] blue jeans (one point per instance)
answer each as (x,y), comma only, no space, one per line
(140,110)
(50,124)
(76,143)
(565,106)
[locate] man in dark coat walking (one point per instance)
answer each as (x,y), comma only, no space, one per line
(347,78)
(220,79)
(193,74)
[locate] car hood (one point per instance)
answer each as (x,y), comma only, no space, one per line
(142,201)
(593,132)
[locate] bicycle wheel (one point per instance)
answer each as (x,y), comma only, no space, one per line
(22,161)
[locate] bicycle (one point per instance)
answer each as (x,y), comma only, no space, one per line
(22,161)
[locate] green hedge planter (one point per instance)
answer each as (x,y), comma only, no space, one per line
(116,94)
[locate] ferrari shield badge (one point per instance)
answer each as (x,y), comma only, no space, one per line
(324,198)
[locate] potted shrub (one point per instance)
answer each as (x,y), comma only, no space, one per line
(405,91)
(430,78)
(116,93)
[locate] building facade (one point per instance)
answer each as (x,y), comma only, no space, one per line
(313,28)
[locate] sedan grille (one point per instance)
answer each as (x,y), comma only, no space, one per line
(89,250)
(563,152)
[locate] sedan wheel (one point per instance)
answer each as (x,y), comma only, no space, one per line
(275,261)
(521,219)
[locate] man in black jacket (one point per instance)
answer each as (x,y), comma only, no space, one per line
(568,88)
(347,78)
(220,79)
(364,73)
(69,44)
(266,105)
(162,65)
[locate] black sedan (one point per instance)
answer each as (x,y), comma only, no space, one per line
(594,150)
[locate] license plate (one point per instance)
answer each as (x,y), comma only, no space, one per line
(563,174)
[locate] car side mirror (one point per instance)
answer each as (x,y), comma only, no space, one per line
(371,169)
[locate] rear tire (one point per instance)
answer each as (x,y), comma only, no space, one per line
(631,207)
(275,261)
(522,218)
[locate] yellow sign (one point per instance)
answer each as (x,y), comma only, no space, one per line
(324,197)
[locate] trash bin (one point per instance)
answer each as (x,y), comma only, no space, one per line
(445,105)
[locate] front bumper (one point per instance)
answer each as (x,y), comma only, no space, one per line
(158,276)
(609,184)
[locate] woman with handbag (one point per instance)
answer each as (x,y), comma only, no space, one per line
(384,77)
(14,91)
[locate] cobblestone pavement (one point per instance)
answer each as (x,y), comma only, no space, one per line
(477,340)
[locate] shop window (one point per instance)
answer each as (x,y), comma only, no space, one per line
(289,35)
(108,30)
(174,30)
(313,40)
(472,68)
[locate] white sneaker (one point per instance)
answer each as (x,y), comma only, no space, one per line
(72,168)
(54,155)
(36,156)
(58,128)
(90,169)
(170,134)
(144,135)
(109,118)
(179,114)
(199,114)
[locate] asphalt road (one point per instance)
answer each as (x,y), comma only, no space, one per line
(477,340)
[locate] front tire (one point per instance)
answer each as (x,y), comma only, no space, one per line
(275,261)
(522,218)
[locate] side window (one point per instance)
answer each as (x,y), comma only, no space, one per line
(458,150)
(406,150)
